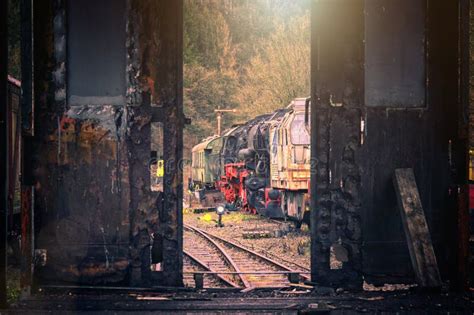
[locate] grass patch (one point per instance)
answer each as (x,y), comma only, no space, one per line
(236,217)
(13,285)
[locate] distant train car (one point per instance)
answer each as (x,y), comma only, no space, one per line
(206,162)
(261,166)
(240,160)
(290,161)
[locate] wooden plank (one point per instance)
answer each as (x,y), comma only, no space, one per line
(416,229)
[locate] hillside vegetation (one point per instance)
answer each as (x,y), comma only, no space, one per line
(253,56)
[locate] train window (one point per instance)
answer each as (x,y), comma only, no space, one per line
(300,154)
(299,134)
(96,59)
(395,70)
(274,145)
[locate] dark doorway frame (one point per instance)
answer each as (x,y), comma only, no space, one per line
(341,55)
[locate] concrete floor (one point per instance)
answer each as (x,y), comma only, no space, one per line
(261,302)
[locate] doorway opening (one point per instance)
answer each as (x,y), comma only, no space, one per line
(247,149)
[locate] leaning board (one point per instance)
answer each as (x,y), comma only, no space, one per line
(416,229)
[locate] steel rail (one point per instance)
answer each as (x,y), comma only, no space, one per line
(265,252)
(209,270)
(223,252)
(267,259)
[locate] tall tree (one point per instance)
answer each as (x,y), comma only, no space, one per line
(210,78)
(280,72)
(252,55)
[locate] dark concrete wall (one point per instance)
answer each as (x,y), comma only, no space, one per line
(354,196)
(94,210)
(469,92)
(3,150)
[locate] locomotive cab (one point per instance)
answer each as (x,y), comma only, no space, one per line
(290,162)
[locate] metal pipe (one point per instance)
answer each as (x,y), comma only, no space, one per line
(219,117)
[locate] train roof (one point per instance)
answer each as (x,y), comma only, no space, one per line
(229,131)
(205,143)
(298,104)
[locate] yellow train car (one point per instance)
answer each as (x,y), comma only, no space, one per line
(290,160)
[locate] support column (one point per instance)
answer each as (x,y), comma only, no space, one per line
(337,90)
(27,133)
(169,86)
(3,150)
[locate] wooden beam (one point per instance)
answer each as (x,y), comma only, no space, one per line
(416,229)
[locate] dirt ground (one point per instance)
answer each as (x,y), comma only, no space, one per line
(278,240)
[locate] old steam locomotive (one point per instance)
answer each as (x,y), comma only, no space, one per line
(262,166)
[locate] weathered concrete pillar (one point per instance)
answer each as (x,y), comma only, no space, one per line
(337,98)
(3,150)
(27,132)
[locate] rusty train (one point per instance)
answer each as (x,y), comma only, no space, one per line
(261,166)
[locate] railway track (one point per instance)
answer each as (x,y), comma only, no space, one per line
(268,224)
(234,264)
(192,264)
(211,257)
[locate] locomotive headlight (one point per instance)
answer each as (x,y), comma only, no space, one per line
(220,210)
